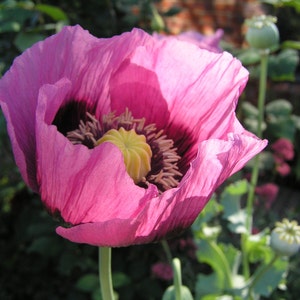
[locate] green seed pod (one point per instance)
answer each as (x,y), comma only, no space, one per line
(285,238)
(262,32)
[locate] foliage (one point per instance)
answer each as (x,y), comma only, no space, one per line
(225,258)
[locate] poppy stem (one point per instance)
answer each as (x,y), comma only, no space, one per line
(261,104)
(255,171)
(177,278)
(106,286)
(166,248)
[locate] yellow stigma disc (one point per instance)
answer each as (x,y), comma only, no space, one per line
(136,152)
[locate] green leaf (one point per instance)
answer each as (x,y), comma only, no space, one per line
(249,57)
(233,257)
(250,113)
(25,40)
(252,125)
(88,283)
(283,66)
(238,188)
(291,3)
(221,297)
(208,285)
(271,278)
(296,120)
(249,110)
(10,26)
(291,44)
(238,222)
(230,199)
(96,294)
(280,120)
(120,279)
(279,108)
(211,210)
(282,128)
(52,11)
(46,246)
(18,15)
(208,232)
(211,253)
(258,248)
(297,168)
(172,11)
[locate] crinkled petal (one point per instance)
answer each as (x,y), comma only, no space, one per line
(82,185)
(204,92)
(45,62)
(208,42)
(186,104)
(215,162)
(177,208)
(139,90)
(74,54)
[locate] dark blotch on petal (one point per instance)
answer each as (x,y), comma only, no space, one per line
(69,116)
(184,140)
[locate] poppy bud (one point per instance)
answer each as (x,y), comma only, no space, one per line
(262,32)
(285,238)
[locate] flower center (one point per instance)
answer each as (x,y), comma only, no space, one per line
(289,231)
(149,155)
(136,152)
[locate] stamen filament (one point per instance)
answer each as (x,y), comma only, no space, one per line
(163,170)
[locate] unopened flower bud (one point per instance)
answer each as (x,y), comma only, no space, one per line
(262,32)
(285,238)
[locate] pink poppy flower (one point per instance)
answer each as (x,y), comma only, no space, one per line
(162,271)
(268,192)
(208,42)
(282,167)
(58,99)
(283,148)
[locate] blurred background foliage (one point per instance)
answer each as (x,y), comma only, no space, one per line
(35,263)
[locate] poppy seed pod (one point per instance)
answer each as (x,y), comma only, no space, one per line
(262,32)
(285,238)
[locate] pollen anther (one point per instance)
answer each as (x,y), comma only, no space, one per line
(160,168)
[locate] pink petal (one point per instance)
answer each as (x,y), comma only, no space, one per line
(74,54)
(38,65)
(208,42)
(177,208)
(83,185)
(191,97)
(151,86)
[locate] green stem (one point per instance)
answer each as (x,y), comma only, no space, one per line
(176,269)
(255,170)
(224,263)
(105,273)
(245,263)
(259,275)
(261,105)
(166,248)
(177,278)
